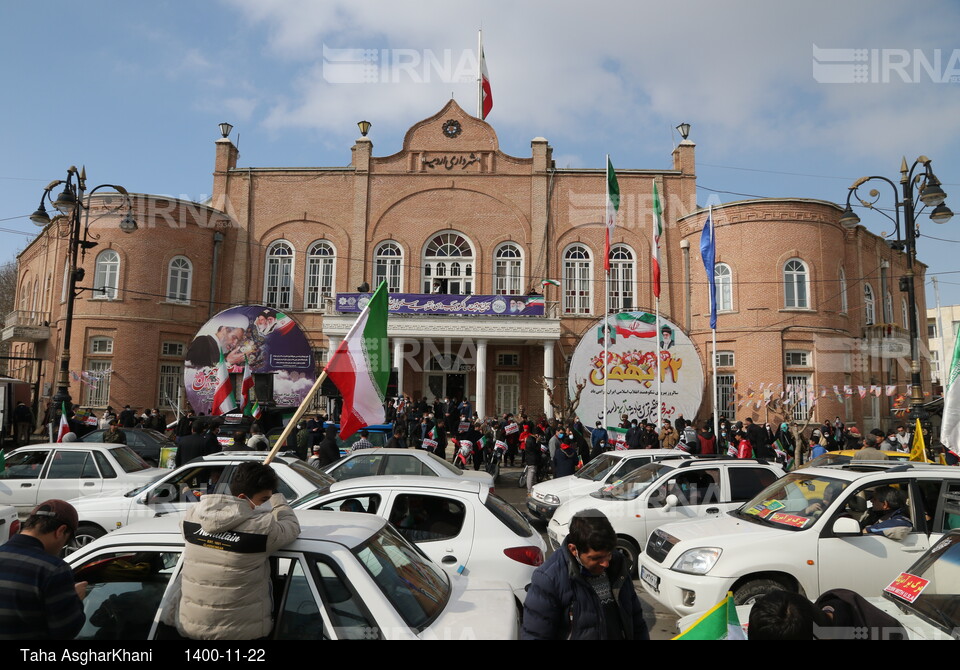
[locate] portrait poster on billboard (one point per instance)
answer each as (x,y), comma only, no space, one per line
(636,352)
(268,340)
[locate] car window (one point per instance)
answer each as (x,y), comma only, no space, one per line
(745,483)
(403,465)
(105,468)
(950,517)
(629,465)
(287,490)
(123,593)
(95,436)
(68,464)
(598,468)
(368,503)
(363,465)
(427,518)
(691,487)
(190,484)
(128,459)
(417,588)
(508,515)
(299,617)
(315,477)
(25,465)
(864,505)
(348,614)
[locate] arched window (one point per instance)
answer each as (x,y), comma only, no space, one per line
(869,307)
(843,291)
(107,275)
(577,284)
(723,276)
(448,265)
(508,270)
(795,285)
(387,260)
(179,279)
(321,258)
(622,273)
(278,282)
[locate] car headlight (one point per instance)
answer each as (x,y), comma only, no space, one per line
(698,561)
(551,499)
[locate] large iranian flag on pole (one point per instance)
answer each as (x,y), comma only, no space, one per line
(950,426)
(245,387)
(655,245)
(360,367)
(223,400)
(613,205)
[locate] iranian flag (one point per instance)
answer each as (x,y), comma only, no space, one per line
(613,205)
(486,96)
(628,325)
(245,387)
(360,367)
(655,245)
(64,423)
(223,400)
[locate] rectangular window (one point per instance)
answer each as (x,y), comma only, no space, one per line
(511,359)
(931,327)
(170,392)
(508,392)
(388,270)
(621,286)
(101,345)
(174,349)
(797,387)
(797,359)
(506,276)
(725,359)
(726,396)
(97,383)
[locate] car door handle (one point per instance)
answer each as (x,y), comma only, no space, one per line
(713,510)
(25,486)
(89,483)
(449,560)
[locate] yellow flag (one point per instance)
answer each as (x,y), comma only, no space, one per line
(919,451)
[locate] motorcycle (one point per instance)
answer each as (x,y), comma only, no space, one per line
(493,457)
(543,467)
(464,453)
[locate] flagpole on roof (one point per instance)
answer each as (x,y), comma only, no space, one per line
(480,73)
(657,225)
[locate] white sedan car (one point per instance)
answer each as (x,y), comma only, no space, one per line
(175,490)
(348,576)
(459,524)
(368,462)
(605,469)
(70,470)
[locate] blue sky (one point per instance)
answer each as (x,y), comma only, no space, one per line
(134,91)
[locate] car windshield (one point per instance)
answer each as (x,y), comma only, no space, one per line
(598,468)
(931,588)
(439,461)
(635,483)
(312,475)
(128,459)
(305,500)
(794,502)
(417,588)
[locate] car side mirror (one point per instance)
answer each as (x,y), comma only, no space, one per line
(671,502)
(846,526)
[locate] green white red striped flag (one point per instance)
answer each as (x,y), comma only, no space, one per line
(613,206)
(223,399)
(360,367)
(655,244)
(64,422)
(245,387)
(549,282)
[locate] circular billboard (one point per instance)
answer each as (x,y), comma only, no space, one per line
(269,341)
(635,343)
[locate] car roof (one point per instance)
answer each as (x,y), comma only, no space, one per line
(347,528)
(285,457)
(385,450)
(630,453)
(68,445)
(410,481)
(859,469)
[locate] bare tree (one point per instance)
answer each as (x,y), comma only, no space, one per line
(569,410)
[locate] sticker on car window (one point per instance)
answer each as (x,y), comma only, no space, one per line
(789,519)
(907,587)
(765,508)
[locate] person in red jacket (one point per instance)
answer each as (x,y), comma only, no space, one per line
(744,448)
(708,441)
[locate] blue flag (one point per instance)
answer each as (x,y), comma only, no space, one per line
(708,251)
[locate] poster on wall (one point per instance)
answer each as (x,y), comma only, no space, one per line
(269,340)
(633,344)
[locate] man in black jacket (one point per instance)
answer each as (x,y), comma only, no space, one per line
(583,591)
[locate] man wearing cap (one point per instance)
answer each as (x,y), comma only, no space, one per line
(869,452)
(38,597)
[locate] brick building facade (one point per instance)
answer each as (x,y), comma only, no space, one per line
(450,213)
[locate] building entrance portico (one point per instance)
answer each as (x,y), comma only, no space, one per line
(444,378)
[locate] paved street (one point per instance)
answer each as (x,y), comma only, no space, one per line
(662,624)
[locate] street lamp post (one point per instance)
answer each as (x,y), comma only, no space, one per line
(927,187)
(70,203)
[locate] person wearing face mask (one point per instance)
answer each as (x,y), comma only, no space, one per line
(225,587)
(583,591)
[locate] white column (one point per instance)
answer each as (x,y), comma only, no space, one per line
(332,344)
(398,343)
(481,378)
(547,376)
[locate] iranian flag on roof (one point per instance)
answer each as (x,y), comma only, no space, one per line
(360,367)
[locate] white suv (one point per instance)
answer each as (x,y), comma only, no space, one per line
(666,491)
(605,469)
(812,531)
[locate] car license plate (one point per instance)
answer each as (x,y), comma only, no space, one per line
(650,579)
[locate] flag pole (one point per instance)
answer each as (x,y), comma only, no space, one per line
(480,74)
(659,369)
(606,289)
(713,303)
(301,410)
